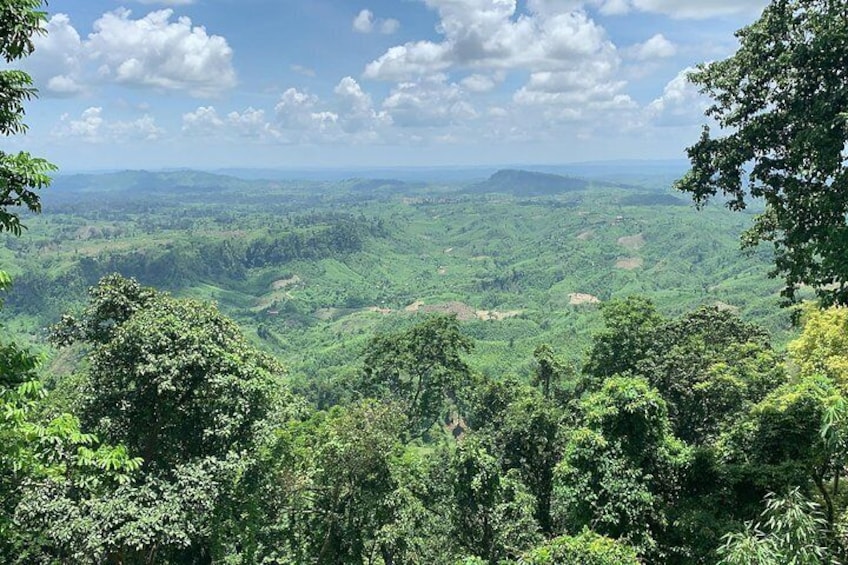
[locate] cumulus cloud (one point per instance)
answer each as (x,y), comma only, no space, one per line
(249,123)
(365,22)
(481,83)
(56,64)
(305,71)
(568,56)
(680,104)
(694,9)
(153,51)
(657,47)
(202,122)
(488,34)
(298,116)
(431,102)
(356,110)
(92,127)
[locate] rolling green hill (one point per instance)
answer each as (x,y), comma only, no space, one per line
(312,269)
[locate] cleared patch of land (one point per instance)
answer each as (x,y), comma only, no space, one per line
(632,242)
(629,263)
(579,298)
(285,283)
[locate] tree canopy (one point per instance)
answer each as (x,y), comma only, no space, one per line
(782,107)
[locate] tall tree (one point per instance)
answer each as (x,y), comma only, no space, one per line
(21,174)
(172,379)
(782,104)
(420,367)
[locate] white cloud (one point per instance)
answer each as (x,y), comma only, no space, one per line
(203,121)
(680,104)
(428,103)
(693,9)
(250,123)
(365,22)
(485,34)
(305,71)
(296,109)
(155,52)
(568,56)
(481,83)
(56,64)
(91,127)
(356,110)
(657,47)
(168,2)
(151,51)
(698,8)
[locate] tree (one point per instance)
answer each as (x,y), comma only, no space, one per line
(21,174)
(782,105)
(792,530)
(492,511)
(822,347)
(420,367)
(707,365)
(588,548)
(172,379)
(628,333)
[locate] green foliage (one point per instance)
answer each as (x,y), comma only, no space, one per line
(420,368)
(526,439)
(628,333)
(172,379)
(492,512)
(596,486)
(588,548)
(709,365)
(782,101)
(21,175)
(822,347)
(792,530)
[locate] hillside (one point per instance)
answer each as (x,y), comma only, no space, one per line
(311,269)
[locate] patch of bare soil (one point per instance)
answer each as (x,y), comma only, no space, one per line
(285,283)
(442,271)
(463,311)
(725,307)
(578,299)
(632,242)
(449,250)
(415,306)
(629,263)
(586,235)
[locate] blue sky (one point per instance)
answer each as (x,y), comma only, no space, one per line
(342,83)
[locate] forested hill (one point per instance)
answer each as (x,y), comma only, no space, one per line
(310,268)
(527,183)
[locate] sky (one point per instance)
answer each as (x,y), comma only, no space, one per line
(370,83)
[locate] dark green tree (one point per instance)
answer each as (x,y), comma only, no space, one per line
(21,174)
(172,379)
(627,336)
(421,367)
(782,105)
(492,511)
